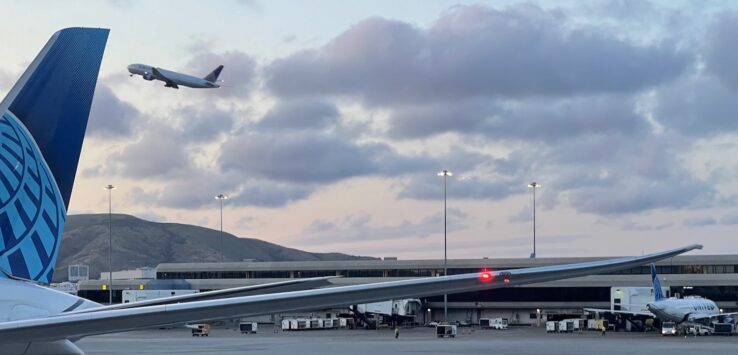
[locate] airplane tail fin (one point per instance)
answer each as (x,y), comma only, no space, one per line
(43,122)
(658,293)
(213,76)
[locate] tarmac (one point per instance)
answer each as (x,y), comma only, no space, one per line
(516,340)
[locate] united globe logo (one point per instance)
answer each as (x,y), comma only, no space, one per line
(31,209)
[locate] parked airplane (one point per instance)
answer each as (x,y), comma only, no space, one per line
(688,309)
(174,79)
(42,126)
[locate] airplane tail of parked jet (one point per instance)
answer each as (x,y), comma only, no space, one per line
(658,293)
(43,123)
(213,76)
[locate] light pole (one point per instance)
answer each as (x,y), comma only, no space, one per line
(221,197)
(445,174)
(534,185)
(110,189)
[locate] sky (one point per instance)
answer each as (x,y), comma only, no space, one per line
(334,118)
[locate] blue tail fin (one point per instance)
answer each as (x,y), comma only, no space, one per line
(658,293)
(213,76)
(43,122)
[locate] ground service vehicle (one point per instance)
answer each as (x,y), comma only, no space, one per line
(446,330)
(494,323)
(669,328)
(200,330)
(698,330)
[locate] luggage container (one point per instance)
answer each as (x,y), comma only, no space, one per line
(316,323)
(723,329)
(578,324)
(446,330)
(566,326)
(248,327)
(552,326)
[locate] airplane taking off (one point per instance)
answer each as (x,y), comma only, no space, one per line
(174,79)
(684,310)
(43,122)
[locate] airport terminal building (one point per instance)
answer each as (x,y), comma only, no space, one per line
(710,276)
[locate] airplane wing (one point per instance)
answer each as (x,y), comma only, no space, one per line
(632,313)
(159,75)
(719,317)
(79,325)
(274,287)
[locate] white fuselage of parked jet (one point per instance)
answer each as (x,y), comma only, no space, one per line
(171,78)
(684,310)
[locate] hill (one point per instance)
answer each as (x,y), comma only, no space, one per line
(137,243)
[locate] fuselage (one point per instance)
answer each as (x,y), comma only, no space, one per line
(683,310)
(148,73)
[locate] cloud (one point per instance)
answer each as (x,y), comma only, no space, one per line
(474,51)
(151,216)
(159,153)
(239,71)
(548,119)
(164,147)
(111,117)
(619,174)
(197,188)
(265,193)
(6,81)
(540,239)
(698,105)
(729,219)
(523,216)
(203,123)
(699,222)
(359,228)
(637,194)
(308,157)
(430,187)
(251,4)
(300,115)
(319,225)
(635,226)
(720,52)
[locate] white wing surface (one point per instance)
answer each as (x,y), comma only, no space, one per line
(78,325)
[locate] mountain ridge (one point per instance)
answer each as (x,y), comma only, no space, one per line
(138,242)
